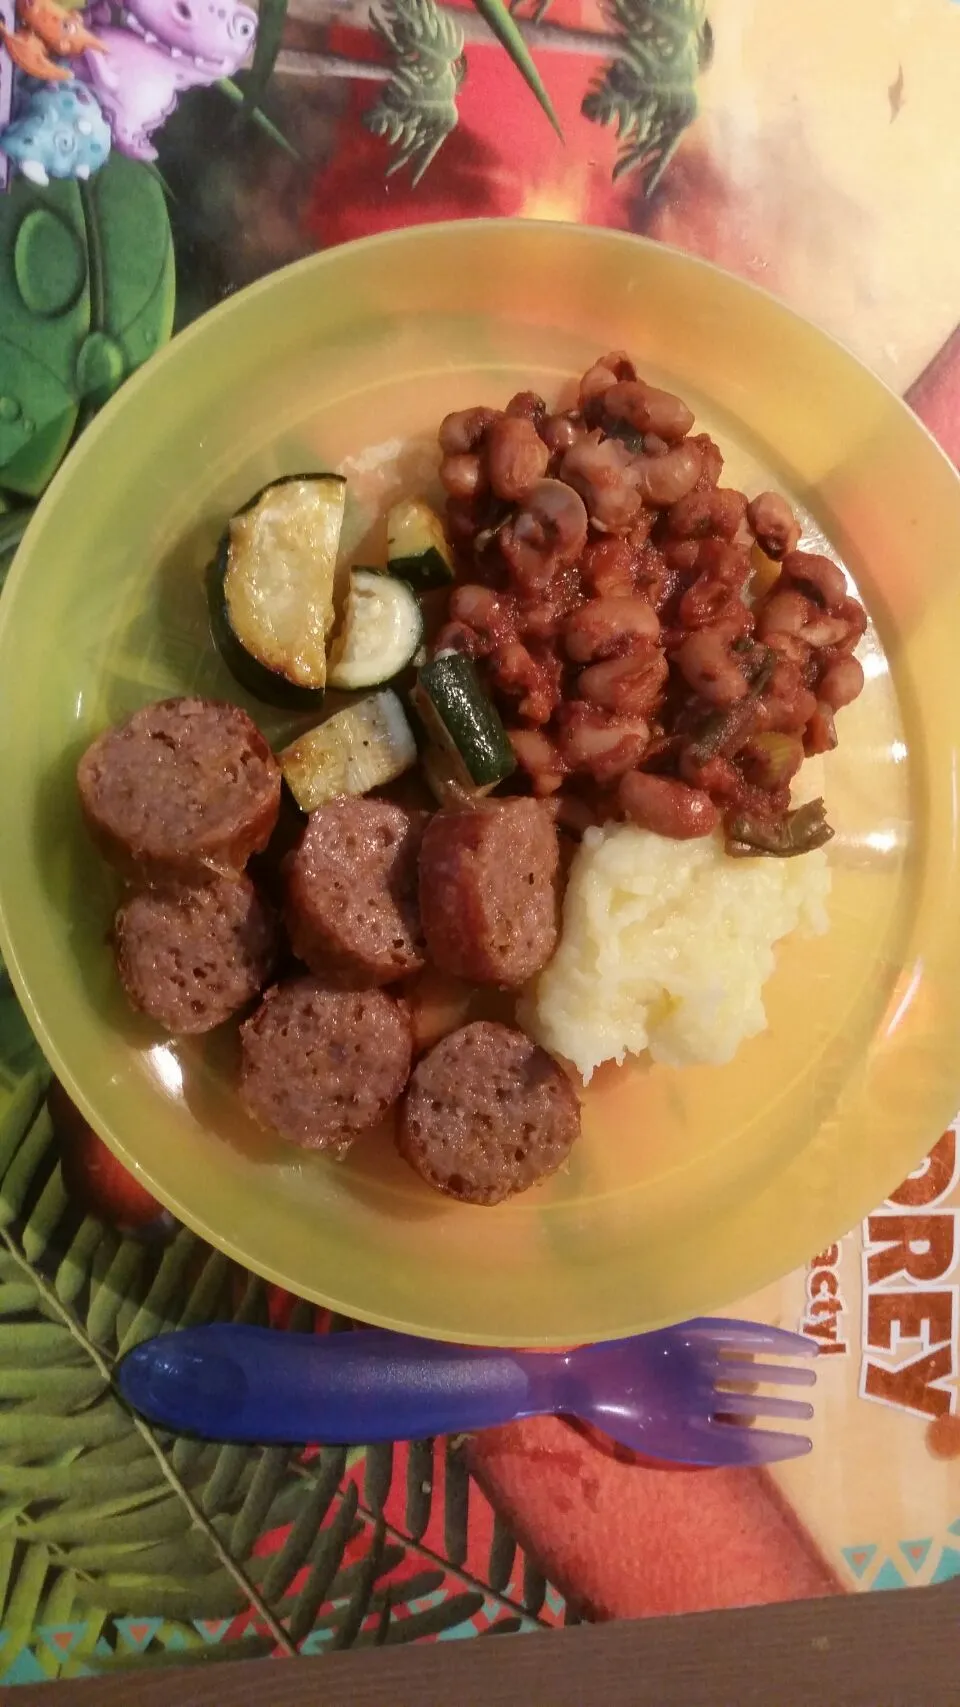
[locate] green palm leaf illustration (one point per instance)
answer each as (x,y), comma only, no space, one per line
(649,91)
(105,1519)
(249,95)
(270,21)
(418,107)
(236,95)
(508,1580)
(510,36)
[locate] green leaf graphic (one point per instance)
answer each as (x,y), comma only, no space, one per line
(234,93)
(649,92)
(104,1519)
(270,21)
(418,107)
(44,316)
(131,265)
(510,36)
(86,295)
(94,1510)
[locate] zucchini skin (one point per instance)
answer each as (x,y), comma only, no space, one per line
(366,746)
(426,573)
(451,703)
(268,686)
(287,480)
(265,685)
(431,566)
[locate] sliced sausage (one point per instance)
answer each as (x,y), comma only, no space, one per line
(181,788)
(351,903)
(487,1113)
(189,958)
(321,1065)
(488,891)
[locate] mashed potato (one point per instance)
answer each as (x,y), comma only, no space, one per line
(666,946)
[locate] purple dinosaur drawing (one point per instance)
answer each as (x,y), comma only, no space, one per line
(7,22)
(155,50)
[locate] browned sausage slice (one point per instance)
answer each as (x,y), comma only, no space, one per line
(487,1114)
(351,904)
(189,958)
(184,787)
(488,891)
(321,1065)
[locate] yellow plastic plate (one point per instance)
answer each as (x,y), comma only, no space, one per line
(688,1189)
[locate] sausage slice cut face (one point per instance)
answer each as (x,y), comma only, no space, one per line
(321,1065)
(488,891)
(184,787)
(351,903)
(189,958)
(488,1113)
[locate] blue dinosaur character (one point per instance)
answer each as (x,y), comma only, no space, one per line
(58,132)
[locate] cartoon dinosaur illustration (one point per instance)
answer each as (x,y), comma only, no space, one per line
(155,50)
(7,21)
(61,31)
(58,132)
(30,55)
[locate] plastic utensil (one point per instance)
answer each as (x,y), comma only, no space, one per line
(660,1394)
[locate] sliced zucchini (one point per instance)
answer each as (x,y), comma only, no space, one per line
(271,586)
(417,548)
(381,632)
(363,747)
(472,752)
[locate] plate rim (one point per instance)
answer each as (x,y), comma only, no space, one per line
(178,350)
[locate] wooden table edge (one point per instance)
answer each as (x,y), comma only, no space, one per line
(899,1649)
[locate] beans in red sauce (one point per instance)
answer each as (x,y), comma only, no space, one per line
(604,587)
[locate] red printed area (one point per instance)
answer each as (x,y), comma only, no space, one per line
(936,397)
(503,159)
(93,1176)
(627,1540)
(910,1311)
